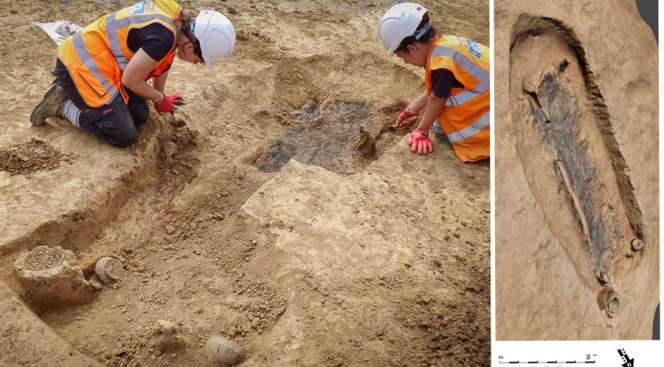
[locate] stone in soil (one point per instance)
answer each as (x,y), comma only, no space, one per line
(223,352)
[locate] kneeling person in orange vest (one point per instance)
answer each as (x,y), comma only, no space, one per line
(457,82)
(101,72)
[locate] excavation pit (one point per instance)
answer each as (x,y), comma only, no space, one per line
(180,212)
(327,134)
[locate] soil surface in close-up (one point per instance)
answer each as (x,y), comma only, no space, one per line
(249,214)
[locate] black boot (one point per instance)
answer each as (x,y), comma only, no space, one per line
(50,106)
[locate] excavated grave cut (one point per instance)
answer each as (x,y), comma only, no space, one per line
(328,116)
(194,257)
(327,135)
(570,156)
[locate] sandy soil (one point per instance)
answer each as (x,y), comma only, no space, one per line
(249,214)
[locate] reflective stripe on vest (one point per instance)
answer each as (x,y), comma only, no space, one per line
(113,25)
(466,117)
(477,72)
(89,62)
(471,130)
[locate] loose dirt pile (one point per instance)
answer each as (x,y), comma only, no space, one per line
(30,157)
(250,215)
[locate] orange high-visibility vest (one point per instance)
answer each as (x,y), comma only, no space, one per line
(465,118)
(96,56)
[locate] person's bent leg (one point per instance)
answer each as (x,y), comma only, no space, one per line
(112,123)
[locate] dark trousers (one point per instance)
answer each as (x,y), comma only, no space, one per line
(115,122)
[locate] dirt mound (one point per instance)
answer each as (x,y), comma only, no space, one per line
(33,156)
(42,258)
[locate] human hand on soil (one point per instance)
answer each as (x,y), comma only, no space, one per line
(419,141)
(169,103)
(405,115)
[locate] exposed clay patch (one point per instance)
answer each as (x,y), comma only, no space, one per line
(572,160)
(30,157)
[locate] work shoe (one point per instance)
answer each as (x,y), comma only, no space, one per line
(50,106)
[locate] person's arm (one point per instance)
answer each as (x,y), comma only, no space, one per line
(134,75)
(412,110)
(134,78)
(434,106)
(418,104)
(418,139)
(442,81)
(159,82)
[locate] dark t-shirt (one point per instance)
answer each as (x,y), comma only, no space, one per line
(442,82)
(155,40)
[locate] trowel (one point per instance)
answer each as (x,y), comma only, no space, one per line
(366,143)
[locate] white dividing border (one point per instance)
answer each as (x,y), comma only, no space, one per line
(492,175)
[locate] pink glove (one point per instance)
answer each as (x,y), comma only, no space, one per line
(419,141)
(169,103)
(405,115)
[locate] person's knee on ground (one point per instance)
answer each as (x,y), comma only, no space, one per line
(123,138)
(108,130)
(140,114)
(118,125)
(138,108)
(112,123)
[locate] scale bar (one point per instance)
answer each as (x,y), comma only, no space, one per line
(548,362)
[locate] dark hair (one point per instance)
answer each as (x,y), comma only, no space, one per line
(187,29)
(424,38)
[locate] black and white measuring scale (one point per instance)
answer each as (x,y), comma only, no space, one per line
(590,359)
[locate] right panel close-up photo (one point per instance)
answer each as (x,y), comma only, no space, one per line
(576,178)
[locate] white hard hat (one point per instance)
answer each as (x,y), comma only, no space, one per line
(399,22)
(215,34)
